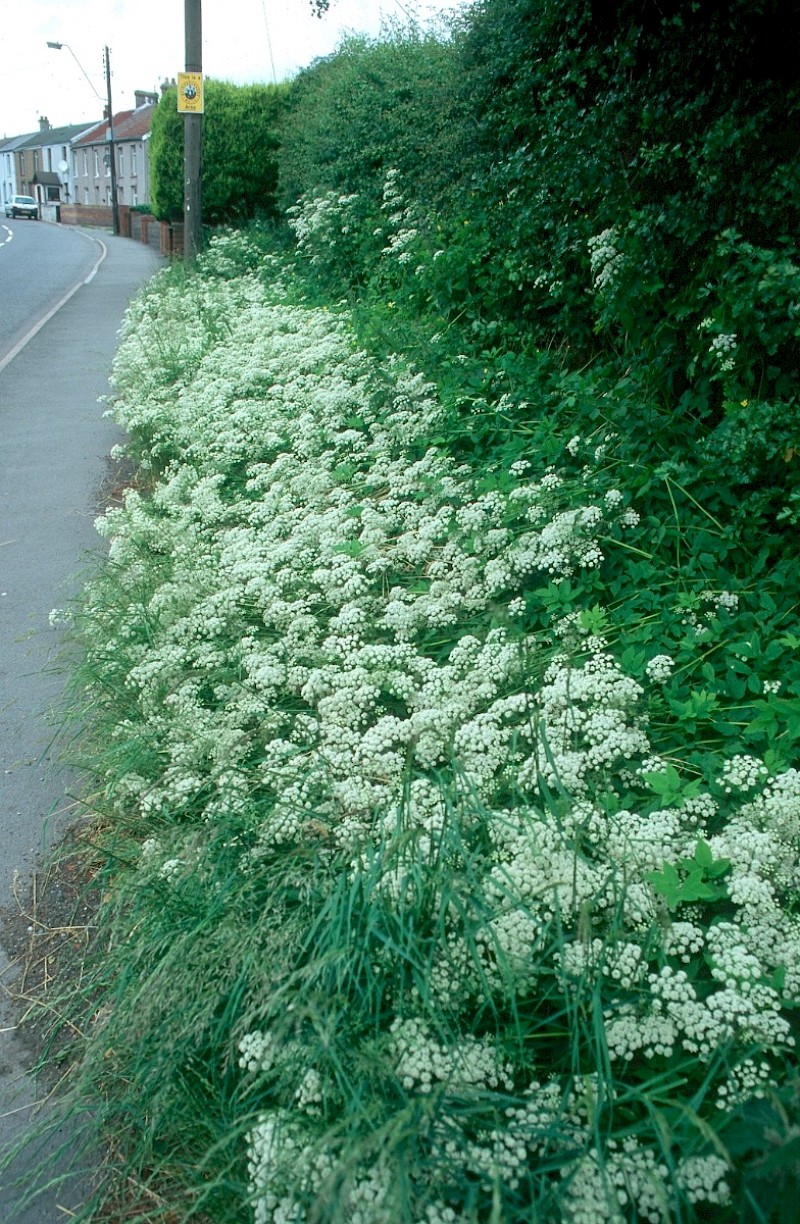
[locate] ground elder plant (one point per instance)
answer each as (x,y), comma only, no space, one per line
(465,944)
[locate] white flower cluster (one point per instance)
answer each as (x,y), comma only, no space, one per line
(723,349)
(587,722)
(605,259)
(421,1060)
(284,1166)
(333,517)
(629,1178)
(232,253)
(257,1052)
(747,1080)
(625,964)
(402,230)
(742,773)
(723,599)
(325,628)
(741,1012)
(660,668)
(320,220)
(683,940)
(291,1170)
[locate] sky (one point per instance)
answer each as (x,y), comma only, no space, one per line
(243,41)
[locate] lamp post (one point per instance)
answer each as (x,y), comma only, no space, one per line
(57,46)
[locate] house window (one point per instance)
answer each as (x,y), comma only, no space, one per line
(133,160)
(35,160)
(86,162)
(22,167)
(134,197)
(49,158)
(96,163)
(86,195)
(121,161)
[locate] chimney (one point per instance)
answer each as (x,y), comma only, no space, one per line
(44,124)
(165,85)
(143,97)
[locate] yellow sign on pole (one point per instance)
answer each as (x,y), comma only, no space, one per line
(190,93)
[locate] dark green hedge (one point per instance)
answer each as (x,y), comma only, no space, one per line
(240,143)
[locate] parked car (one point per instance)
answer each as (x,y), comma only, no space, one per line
(22,206)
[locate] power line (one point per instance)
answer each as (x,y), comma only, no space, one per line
(412,15)
(269,41)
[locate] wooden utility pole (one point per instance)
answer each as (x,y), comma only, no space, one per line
(193,134)
(112,152)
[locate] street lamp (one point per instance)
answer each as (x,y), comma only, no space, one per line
(57,46)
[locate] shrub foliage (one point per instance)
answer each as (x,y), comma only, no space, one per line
(240,143)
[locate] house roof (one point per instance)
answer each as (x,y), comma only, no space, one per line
(98,134)
(47,178)
(139,123)
(128,125)
(15,142)
(53,136)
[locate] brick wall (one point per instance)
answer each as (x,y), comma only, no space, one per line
(86,214)
(150,231)
(96,215)
(162,236)
(172,239)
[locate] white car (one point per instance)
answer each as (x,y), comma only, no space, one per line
(22,206)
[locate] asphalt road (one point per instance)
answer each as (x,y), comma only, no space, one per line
(54,464)
(39,265)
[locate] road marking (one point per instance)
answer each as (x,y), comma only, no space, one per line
(37,327)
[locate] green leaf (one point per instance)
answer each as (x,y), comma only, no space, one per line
(703,855)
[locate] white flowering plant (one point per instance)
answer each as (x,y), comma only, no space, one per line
(438,911)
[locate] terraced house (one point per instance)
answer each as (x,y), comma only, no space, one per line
(91,157)
(42,163)
(8,164)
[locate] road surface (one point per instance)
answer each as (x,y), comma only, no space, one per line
(63,294)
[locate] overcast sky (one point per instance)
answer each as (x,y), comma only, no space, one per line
(243,41)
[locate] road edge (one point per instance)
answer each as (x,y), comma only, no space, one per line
(37,327)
